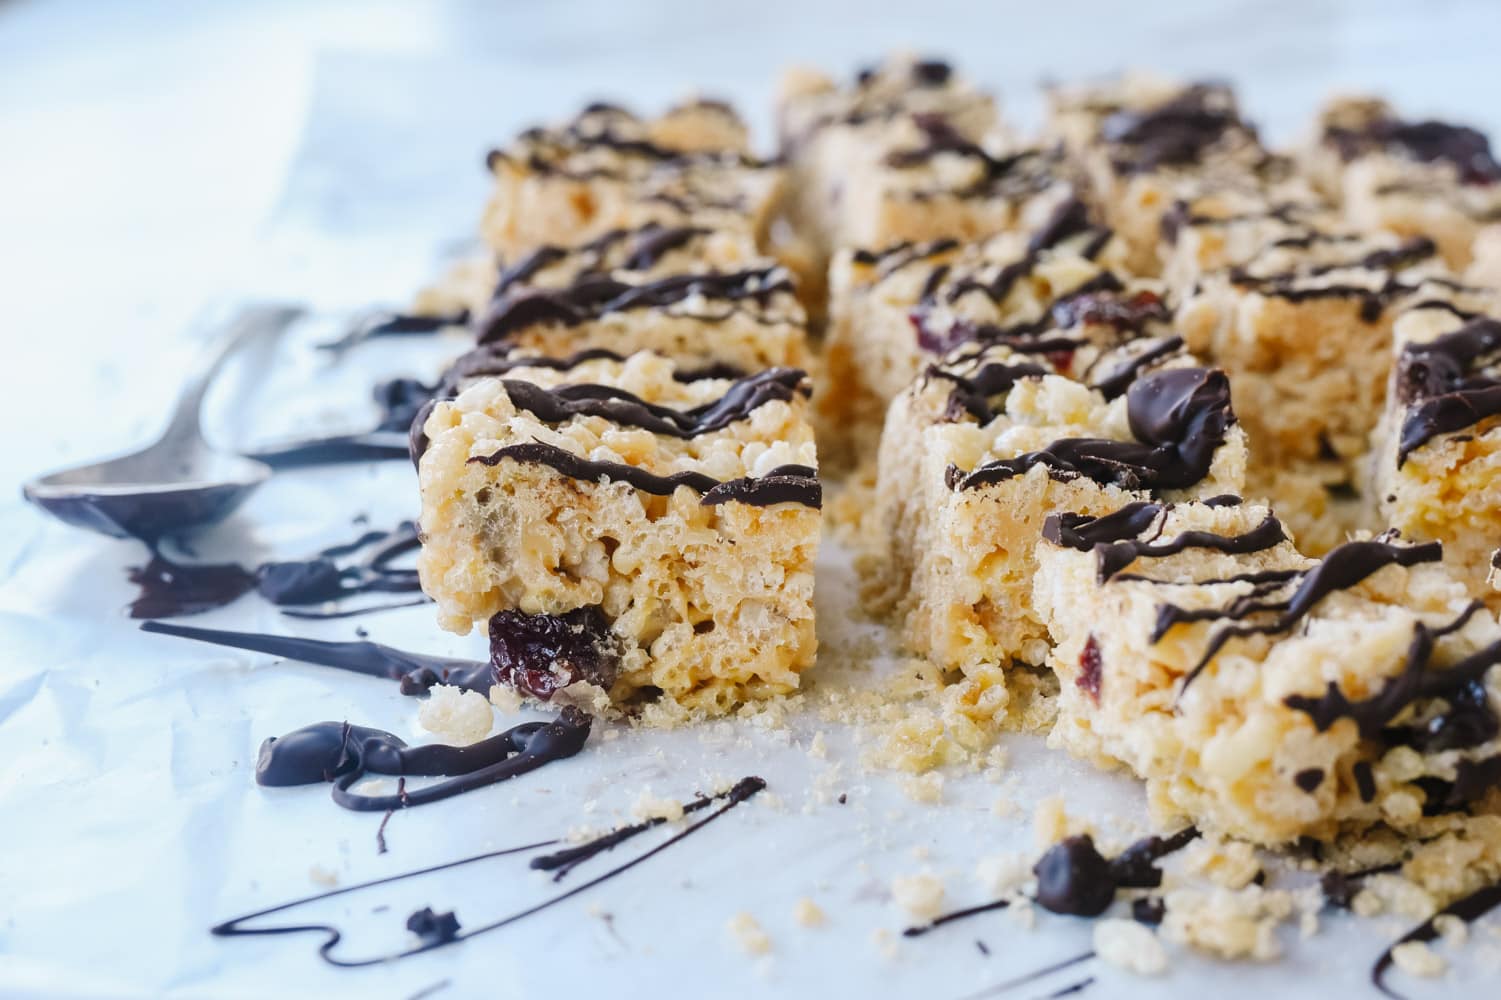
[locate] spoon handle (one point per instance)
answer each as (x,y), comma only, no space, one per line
(249,323)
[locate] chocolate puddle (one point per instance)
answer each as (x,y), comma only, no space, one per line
(1074,878)
(745,789)
(343,754)
(170,589)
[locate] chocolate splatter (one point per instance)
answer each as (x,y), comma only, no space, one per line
(332,935)
(345,755)
(172,589)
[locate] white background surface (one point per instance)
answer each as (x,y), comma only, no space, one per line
(156,156)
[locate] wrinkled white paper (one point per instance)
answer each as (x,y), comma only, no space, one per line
(130,822)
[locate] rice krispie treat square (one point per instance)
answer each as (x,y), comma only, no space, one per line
(1261,693)
(1146,143)
(906,151)
(893,309)
(978,453)
(1412,178)
(658,288)
(1304,330)
(608,169)
(1436,462)
(634,534)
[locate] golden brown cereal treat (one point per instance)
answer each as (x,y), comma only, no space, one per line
(637,534)
(555,302)
(1225,229)
(1261,693)
(1412,178)
(608,169)
(1304,331)
(891,309)
(907,151)
(1147,143)
(985,448)
(1436,466)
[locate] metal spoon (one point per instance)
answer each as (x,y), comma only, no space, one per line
(180,481)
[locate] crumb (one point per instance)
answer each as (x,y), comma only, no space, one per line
(648,806)
(1417,959)
(1232,864)
(920,895)
(505,698)
(817,747)
(1228,923)
(1452,929)
(1003,874)
(926,788)
(885,943)
(748,934)
(808,913)
(1130,946)
(322,876)
(920,852)
(455,715)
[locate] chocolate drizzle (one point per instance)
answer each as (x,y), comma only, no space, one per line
(171,589)
(1464,148)
(1448,384)
(637,249)
(345,755)
(975,394)
(743,790)
(1344,567)
(400,400)
(1177,132)
(563,403)
(1469,721)
(591,297)
(1179,416)
(416,672)
(784,484)
(1074,878)
(1468,908)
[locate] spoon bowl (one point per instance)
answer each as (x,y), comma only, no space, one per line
(180,481)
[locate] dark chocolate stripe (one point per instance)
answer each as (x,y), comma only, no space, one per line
(791,487)
(1121,377)
(1179,416)
(594,296)
(1113,557)
(1448,383)
(640,250)
(1082,532)
(563,403)
(1416,682)
(1344,567)
(972,394)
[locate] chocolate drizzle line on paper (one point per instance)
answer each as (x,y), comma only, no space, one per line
(1469,909)
(170,589)
(742,790)
(345,755)
(417,673)
(1074,878)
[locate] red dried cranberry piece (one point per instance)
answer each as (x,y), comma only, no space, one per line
(539,654)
